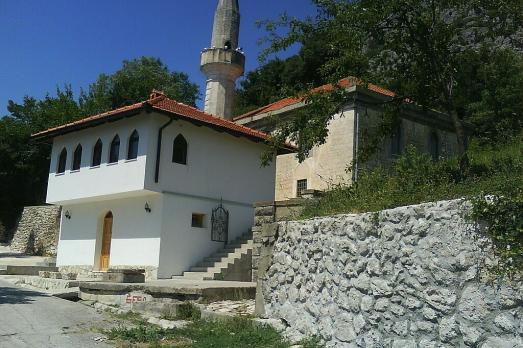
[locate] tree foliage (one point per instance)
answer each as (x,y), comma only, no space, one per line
(279,78)
(24,166)
(443,55)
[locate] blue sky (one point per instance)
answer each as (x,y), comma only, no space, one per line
(47,43)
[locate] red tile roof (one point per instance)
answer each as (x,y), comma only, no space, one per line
(159,102)
(345,83)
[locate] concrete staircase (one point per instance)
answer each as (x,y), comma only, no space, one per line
(233,262)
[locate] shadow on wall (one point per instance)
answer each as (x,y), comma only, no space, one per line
(37,230)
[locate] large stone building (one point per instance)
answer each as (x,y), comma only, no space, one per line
(328,164)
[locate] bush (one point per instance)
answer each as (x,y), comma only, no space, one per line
(414,178)
(504,218)
(188,311)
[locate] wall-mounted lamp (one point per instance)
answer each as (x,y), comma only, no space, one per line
(147,207)
(67,214)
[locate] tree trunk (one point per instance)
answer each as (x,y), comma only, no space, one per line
(461,137)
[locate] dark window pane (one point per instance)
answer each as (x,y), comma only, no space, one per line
(77,159)
(134,140)
(396,140)
(180,150)
(62,161)
(197,220)
(114,153)
(97,153)
(301,186)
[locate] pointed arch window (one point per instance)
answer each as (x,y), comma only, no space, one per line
(114,151)
(434,146)
(180,150)
(77,158)
(396,141)
(62,161)
(134,140)
(97,153)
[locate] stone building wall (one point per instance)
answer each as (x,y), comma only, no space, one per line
(405,277)
(37,231)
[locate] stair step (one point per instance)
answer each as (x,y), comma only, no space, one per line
(198,275)
(218,262)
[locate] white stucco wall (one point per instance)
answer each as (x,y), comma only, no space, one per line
(327,164)
(184,246)
(219,165)
(135,239)
(107,180)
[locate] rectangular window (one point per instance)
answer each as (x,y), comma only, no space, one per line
(300,187)
(198,220)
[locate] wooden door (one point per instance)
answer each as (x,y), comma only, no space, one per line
(106,242)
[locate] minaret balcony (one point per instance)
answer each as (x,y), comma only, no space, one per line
(215,59)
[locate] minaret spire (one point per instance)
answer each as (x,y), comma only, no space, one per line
(223,63)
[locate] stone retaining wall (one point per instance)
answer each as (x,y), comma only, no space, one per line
(37,231)
(406,277)
(266,213)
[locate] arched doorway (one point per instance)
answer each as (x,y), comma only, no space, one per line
(106,242)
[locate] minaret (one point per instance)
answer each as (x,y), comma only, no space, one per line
(223,63)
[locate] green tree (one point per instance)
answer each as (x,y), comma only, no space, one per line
(24,166)
(418,48)
(134,82)
(279,78)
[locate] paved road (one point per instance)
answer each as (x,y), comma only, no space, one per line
(32,319)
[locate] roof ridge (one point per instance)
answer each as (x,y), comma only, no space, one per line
(346,82)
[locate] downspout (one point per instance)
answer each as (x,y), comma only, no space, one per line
(159,149)
(356,143)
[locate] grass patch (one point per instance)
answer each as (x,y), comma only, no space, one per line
(130,316)
(415,178)
(188,311)
(235,332)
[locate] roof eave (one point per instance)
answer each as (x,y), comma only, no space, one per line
(94,123)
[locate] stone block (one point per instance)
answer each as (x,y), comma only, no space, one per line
(260,220)
(43,274)
(69,276)
(55,275)
(264,211)
(124,276)
(269,230)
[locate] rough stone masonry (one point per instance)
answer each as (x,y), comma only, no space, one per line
(37,231)
(405,277)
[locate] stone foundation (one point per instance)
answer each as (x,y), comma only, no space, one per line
(405,277)
(37,231)
(151,272)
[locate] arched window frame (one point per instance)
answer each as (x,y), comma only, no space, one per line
(132,148)
(434,146)
(62,161)
(180,150)
(77,158)
(114,150)
(97,153)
